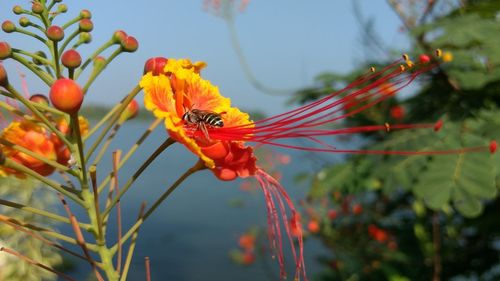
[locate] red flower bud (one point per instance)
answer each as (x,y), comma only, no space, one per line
(131,111)
(424,59)
(493,146)
(313,226)
(248,258)
(37,8)
(155,65)
(5,50)
(55,33)
(332,214)
(4,80)
(17,10)
(66,95)
(129,44)
(62,8)
(24,22)
(71,59)
(86,25)
(85,14)
(119,36)
(357,209)
(85,37)
(397,112)
(8,26)
(39,98)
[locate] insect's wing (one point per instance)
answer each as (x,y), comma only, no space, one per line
(204,130)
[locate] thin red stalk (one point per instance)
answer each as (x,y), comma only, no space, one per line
(36,263)
(148,268)
(79,237)
(116,161)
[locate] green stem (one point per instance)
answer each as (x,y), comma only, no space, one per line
(55,185)
(34,56)
(113,120)
(75,125)
(26,32)
(39,212)
(38,157)
(93,56)
(98,70)
(55,53)
(131,248)
(130,152)
(69,23)
(38,114)
(20,113)
(200,165)
(136,175)
(106,144)
(68,39)
(42,75)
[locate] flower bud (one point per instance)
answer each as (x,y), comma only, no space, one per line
(71,59)
(155,65)
(40,54)
(85,37)
(8,26)
(62,8)
(37,8)
(119,36)
(131,111)
(39,98)
(55,33)
(24,22)
(4,80)
(99,61)
(129,44)
(17,10)
(5,50)
(424,59)
(85,14)
(86,25)
(66,95)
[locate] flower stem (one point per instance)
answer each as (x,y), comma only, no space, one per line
(136,175)
(66,42)
(113,120)
(200,165)
(130,152)
(39,212)
(55,185)
(98,71)
(92,57)
(34,56)
(42,75)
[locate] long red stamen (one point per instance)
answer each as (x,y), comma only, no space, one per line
(274,193)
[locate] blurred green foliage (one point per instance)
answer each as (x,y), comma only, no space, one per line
(457,193)
(12,268)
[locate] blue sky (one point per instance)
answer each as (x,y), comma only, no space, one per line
(286,43)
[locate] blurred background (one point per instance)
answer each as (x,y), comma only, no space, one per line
(366,217)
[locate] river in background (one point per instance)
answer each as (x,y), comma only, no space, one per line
(191,234)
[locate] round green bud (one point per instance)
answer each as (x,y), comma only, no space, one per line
(40,54)
(119,36)
(86,25)
(62,8)
(24,22)
(85,14)
(17,10)
(71,59)
(8,26)
(85,37)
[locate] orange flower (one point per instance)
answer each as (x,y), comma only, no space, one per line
(30,136)
(179,90)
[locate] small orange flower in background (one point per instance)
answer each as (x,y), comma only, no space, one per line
(31,136)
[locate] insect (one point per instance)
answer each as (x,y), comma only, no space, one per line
(202,119)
